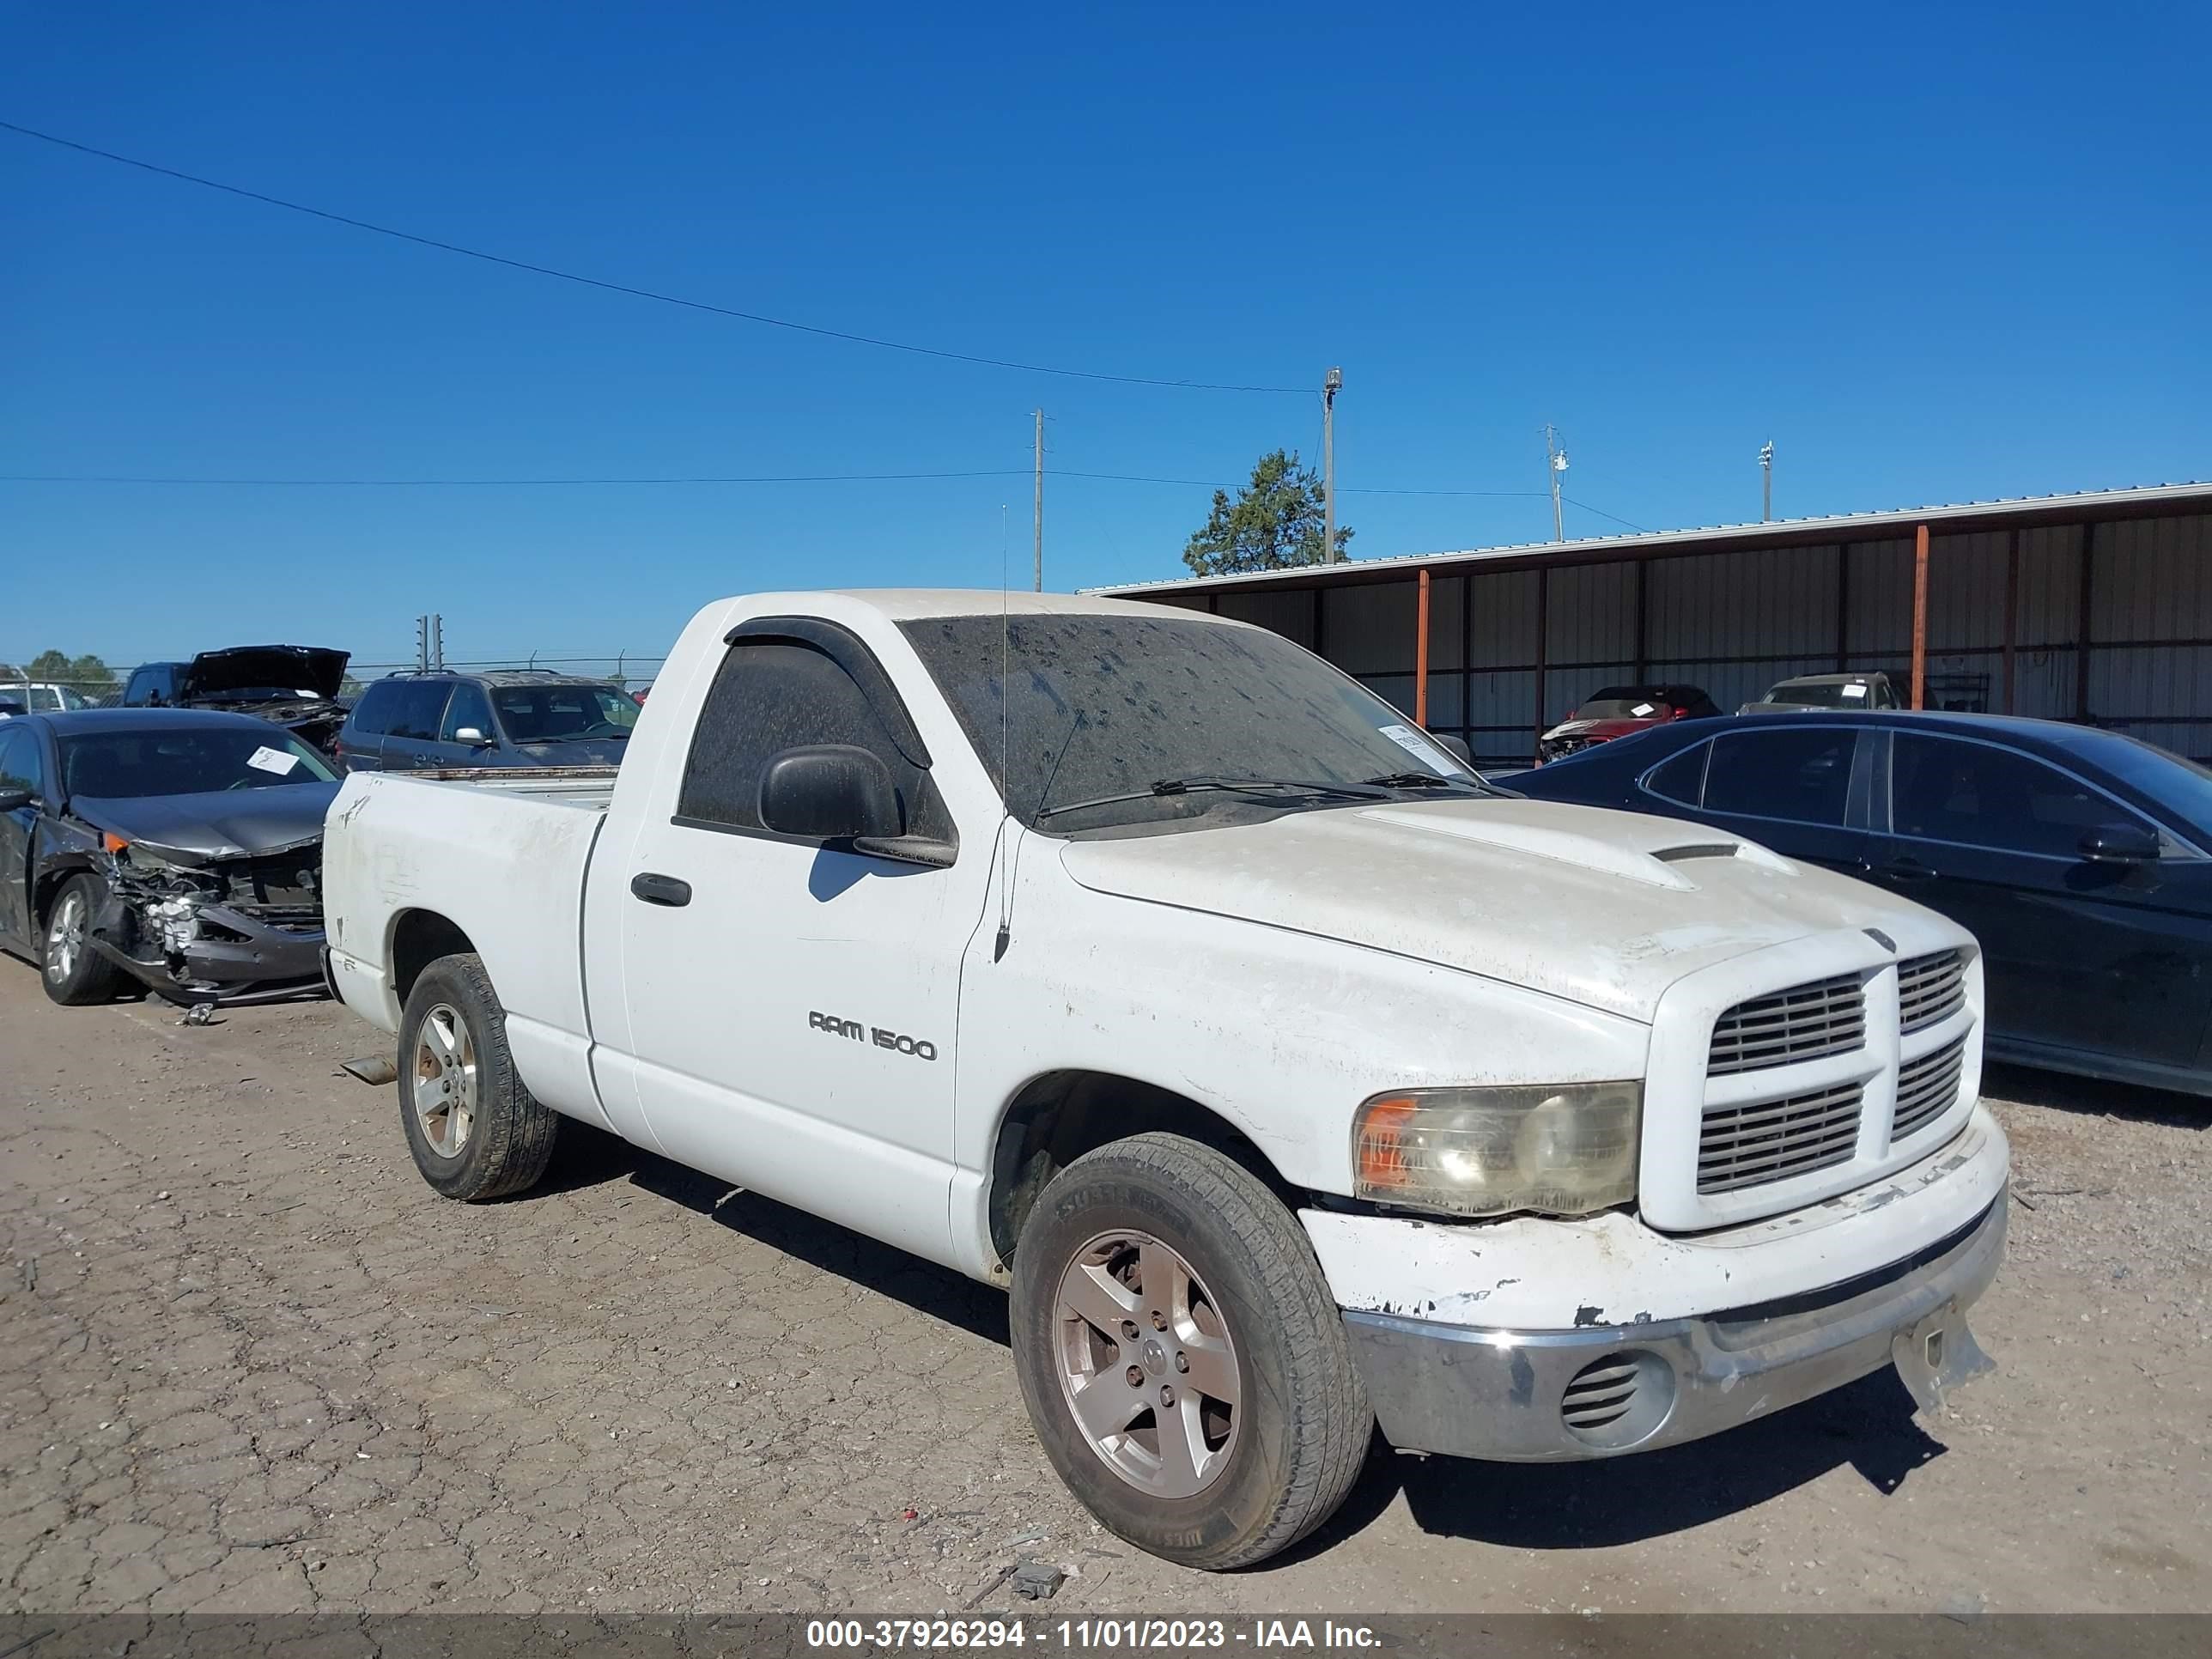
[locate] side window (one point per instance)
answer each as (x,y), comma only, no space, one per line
(1682,780)
(771,696)
(1801,774)
(373,712)
(154,683)
(469,707)
(417,707)
(1981,796)
(18,760)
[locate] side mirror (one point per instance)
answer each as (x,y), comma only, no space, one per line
(1456,748)
(472,736)
(829,791)
(2120,843)
(14,800)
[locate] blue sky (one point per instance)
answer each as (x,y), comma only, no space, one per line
(1934,253)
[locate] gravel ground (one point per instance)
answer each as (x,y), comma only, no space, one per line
(249,1362)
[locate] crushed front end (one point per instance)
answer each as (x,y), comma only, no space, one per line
(247,928)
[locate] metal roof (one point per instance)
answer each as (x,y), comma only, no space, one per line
(2139,501)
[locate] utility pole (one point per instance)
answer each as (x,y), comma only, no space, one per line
(1556,460)
(1331,384)
(1766,482)
(1040,501)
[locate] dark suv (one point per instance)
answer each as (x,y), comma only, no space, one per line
(418,721)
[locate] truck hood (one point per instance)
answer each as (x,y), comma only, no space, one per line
(312,670)
(202,828)
(1602,909)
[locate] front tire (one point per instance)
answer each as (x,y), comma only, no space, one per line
(1184,1363)
(74,973)
(476,1132)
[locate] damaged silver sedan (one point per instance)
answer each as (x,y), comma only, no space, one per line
(177,850)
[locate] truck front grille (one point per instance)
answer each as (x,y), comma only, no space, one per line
(1926,1087)
(1827,1016)
(1929,989)
(1763,1140)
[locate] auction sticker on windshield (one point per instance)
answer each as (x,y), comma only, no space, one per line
(1422,750)
(272,760)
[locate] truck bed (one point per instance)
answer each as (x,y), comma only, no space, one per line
(498,853)
(591,786)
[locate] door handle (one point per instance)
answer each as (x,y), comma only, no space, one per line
(1905,870)
(660,890)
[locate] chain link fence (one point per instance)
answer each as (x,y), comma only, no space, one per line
(47,694)
(623,669)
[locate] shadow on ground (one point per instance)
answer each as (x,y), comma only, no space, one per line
(1869,1424)
(2063,1092)
(589,1157)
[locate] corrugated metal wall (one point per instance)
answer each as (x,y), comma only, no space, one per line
(1736,622)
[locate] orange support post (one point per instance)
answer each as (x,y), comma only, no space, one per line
(1920,618)
(1421,660)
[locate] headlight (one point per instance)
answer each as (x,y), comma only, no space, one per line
(1560,1150)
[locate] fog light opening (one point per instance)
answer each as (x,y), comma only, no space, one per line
(1617,1402)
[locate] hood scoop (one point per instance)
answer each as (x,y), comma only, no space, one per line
(1612,857)
(1704,850)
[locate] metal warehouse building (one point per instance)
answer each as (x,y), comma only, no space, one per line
(2093,607)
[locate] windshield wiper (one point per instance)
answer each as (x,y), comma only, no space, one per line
(1424,780)
(1167,786)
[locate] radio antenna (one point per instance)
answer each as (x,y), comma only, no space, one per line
(1006,830)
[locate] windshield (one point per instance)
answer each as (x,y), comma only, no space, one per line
(561,713)
(1618,702)
(130,765)
(1824,694)
(1104,706)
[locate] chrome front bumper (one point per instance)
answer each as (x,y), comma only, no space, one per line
(1601,1390)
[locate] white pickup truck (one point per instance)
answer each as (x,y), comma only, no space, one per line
(1292,1079)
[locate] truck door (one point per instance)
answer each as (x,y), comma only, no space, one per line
(792,1007)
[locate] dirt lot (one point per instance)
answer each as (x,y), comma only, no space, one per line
(248,1362)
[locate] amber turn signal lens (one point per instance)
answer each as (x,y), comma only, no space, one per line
(113,844)
(1382,1164)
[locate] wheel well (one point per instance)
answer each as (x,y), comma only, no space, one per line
(418,939)
(1060,1116)
(50,885)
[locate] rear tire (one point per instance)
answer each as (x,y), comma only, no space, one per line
(475,1132)
(1224,1297)
(75,973)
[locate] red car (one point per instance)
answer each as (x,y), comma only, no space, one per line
(1618,710)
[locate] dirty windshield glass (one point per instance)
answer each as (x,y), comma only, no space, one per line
(1099,707)
(1822,693)
(129,765)
(559,713)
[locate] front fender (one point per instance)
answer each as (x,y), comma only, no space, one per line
(1281,1034)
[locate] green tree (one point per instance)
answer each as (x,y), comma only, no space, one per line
(87,673)
(1275,522)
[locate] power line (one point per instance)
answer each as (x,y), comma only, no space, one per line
(701,478)
(684,480)
(507,484)
(1601,513)
(636,293)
